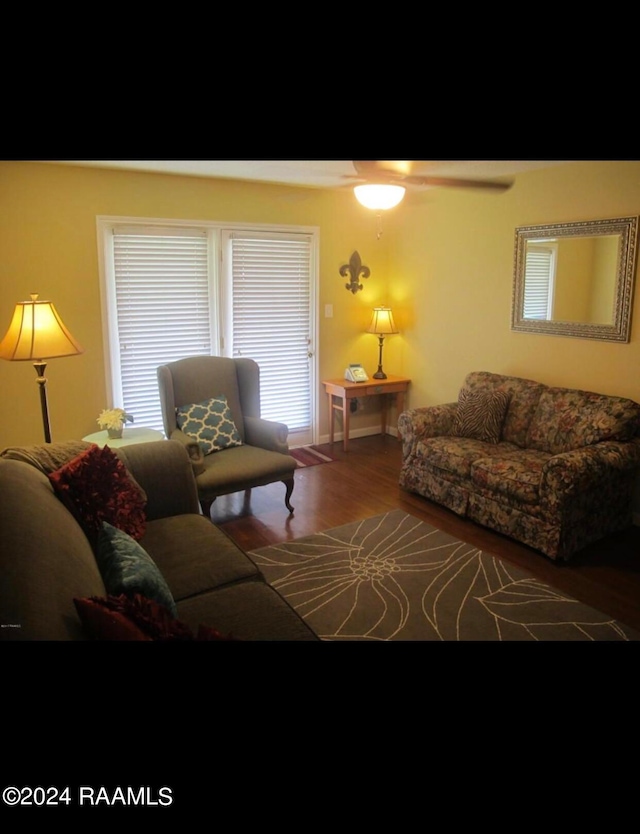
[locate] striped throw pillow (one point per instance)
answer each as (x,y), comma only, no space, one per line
(480,414)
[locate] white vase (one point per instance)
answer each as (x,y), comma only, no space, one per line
(115,434)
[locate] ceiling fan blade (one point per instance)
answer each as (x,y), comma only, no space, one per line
(399,172)
(373,168)
(454,182)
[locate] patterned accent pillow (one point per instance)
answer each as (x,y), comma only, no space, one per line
(480,414)
(211,423)
(127,568)
(95,486)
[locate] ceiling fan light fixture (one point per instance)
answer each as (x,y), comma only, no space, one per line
(379,196)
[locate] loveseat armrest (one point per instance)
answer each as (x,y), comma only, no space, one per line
(165,473)
(599,469)
(266,434)
(416,424)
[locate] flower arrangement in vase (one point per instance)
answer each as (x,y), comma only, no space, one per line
(113,420)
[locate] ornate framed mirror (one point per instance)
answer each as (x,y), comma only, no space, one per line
(575,279)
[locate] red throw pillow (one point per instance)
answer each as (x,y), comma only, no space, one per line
(95,486)
(206,633)
(102,621)
(129,618)
(137,618)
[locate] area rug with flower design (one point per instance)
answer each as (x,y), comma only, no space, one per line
(394,577)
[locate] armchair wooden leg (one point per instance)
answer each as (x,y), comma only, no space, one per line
(289,486)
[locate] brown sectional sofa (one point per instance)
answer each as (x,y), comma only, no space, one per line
(554,468)
(47,561)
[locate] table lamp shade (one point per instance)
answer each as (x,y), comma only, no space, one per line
(37,332)
(382,322)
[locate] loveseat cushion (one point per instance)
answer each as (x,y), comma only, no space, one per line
(454,456)
(515,474)
(568,419)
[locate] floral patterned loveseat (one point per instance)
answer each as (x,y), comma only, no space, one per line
(554,468)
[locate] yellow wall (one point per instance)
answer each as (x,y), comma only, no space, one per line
(451,266)
(444,263)
(49,245)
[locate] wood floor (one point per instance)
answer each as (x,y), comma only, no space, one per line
(363,482)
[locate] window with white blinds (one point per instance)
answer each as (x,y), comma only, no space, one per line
(539,282)
(171,291)
(163,310)
(270,319)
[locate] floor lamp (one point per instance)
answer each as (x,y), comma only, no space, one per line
(382,324)
(37,333)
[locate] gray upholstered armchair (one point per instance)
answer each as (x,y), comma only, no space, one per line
(211,404)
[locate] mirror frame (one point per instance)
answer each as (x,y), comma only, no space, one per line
(620,330)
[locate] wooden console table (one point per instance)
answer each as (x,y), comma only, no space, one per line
(340,391)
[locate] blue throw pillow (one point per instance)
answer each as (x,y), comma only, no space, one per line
(127,568)
(211,423)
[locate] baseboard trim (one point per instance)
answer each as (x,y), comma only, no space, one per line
(355,433)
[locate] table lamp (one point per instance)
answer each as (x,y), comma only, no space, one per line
(382,324)
(37,333)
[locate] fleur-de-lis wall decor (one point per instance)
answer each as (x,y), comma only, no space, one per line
(354,269)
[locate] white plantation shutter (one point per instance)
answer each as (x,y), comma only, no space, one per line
(165,298)
(271,319)
(163,310)
(538,288)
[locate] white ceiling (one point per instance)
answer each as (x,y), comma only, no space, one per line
(310,173)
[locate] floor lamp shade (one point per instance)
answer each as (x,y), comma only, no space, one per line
(37,333)
(382,324)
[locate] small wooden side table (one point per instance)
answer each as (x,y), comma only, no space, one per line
(340,391)
(133,435)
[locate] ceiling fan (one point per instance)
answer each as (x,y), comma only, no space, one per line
(395,176)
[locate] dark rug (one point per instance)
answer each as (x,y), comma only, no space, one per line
(394,577)
(310,456)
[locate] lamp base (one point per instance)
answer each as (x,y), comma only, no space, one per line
(42,385)
(380,374)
